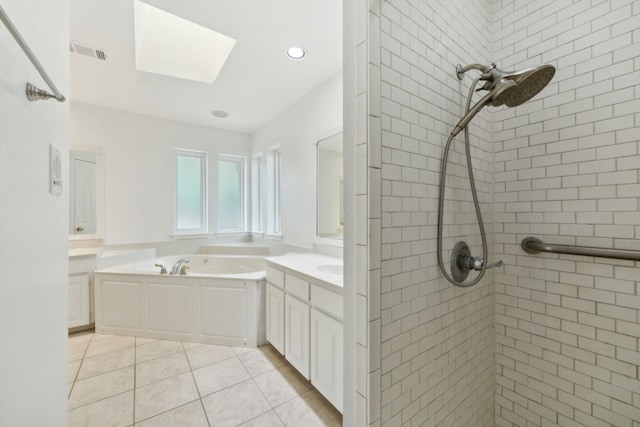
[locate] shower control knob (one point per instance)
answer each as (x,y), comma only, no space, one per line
(462,262)
(495,264)
(477,262)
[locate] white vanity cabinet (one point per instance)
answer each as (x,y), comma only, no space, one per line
(275,317)
(327,351)
(304,323)
(275,309)
(296,334)
(80,277)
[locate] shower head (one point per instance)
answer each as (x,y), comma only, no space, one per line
(510,88)
(528,83)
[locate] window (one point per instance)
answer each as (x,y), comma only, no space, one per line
(256,193)
(231,194)
(190,192)
(274,202)
(276,189)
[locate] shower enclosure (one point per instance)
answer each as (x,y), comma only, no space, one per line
(548,338)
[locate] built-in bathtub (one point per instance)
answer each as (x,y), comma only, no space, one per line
(219,301)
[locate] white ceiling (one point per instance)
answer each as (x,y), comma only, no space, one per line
(256,84)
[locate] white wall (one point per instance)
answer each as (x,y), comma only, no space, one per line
(139,167)
(568,327)
(296,130)
(33,230)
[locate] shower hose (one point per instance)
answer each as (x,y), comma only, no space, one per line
(474,193)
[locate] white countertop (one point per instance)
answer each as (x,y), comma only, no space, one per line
(76,252)
(321,267)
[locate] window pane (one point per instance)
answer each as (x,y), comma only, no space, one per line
(256,193)
(189,192)
(277,201)
(230,210)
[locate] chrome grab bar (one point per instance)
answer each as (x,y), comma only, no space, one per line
(33,93)
(533,245)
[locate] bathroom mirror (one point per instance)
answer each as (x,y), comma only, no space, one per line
(85,193)
(330,187)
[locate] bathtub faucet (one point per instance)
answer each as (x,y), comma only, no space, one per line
(180,267)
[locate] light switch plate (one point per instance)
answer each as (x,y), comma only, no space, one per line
(55,170)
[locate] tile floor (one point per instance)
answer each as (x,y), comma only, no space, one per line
(126,381)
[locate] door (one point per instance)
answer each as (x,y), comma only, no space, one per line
(296,334)
(327,357)
(79,301)
(83,207)
(275,317)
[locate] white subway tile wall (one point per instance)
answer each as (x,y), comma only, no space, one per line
(434,342)
(566,170)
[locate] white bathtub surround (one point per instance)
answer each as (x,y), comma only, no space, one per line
(83,261)
(219,301)
(304,318)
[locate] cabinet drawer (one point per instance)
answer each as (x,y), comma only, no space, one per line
(327,301)
(275,276)
(297,287)
(79,266)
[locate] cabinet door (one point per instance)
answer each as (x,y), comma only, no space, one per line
(79,300)
(275,317)
(327,357)
(296,334)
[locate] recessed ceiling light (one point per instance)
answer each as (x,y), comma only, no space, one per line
(172,46)
(296,52)
(219,113)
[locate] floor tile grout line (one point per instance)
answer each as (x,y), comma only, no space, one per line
(273,408)
(135,363)
(165,412)
(100,400)
(103,372)
(84,353)
(186,355)
(135,385)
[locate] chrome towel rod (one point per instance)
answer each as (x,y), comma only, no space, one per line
(534,245)
(33,93)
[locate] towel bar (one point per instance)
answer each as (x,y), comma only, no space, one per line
(534,245)
(33,93)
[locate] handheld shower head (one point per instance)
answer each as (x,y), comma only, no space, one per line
(510,88)
(528,83)
(503,88)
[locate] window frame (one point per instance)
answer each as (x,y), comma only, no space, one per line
(273,178)
(277,192)
(241,160)
(257,205)
(204,194)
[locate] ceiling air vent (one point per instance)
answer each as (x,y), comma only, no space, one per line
(92,52)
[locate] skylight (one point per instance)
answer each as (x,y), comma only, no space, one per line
(172,46)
